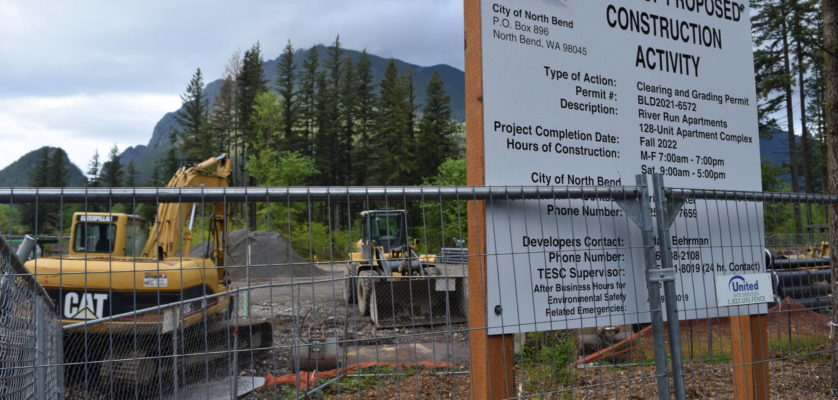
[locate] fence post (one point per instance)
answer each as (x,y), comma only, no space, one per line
(644,221)
(40,348)
(750,352)
(492,367)
(667,275)
(57,335)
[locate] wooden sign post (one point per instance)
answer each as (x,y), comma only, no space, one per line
(492,369)
(749,336)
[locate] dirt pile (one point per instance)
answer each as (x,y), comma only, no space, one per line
(271,256)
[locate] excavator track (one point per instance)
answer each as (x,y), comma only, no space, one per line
(146,363)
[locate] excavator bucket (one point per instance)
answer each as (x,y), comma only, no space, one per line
(418,301)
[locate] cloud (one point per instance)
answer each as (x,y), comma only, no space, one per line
(58,47)
(86,74)
(80,124)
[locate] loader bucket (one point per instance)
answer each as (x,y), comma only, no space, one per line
(418,301)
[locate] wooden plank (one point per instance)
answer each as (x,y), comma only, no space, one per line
(749,335)
(492,373)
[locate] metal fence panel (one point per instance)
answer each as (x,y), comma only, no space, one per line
(30,335)
(305,306)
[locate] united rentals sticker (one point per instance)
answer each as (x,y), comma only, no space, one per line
(736,290)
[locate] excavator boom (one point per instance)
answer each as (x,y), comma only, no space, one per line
(165,238)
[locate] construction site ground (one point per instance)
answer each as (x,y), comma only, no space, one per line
(308,298)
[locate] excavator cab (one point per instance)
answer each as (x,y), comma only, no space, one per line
(107,234)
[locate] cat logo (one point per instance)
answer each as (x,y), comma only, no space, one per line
(85,305)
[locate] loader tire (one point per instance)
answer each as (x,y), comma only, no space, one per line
(349,294)
(364,288)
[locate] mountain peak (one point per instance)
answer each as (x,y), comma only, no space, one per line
(17,173)
(453,79)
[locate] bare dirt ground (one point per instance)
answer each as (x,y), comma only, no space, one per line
(308,303)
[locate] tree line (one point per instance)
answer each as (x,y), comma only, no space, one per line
(351,129)
(789,67)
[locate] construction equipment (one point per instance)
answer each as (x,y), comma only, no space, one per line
(393,284)
(116,266)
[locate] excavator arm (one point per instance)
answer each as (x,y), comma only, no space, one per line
(165,239)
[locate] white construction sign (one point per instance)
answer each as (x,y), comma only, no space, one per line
(591,93)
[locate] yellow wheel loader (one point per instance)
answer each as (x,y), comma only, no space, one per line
(115,266)
(393,284)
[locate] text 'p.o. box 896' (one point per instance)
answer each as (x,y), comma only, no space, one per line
(591,93)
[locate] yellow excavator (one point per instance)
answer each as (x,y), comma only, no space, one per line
(393,284)
(116,266)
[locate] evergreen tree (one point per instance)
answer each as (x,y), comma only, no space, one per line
(327,140)
(392,163)
(414,172)
(222,120)
(168,165)
(93,170)
(349,111)
(130,175)
(805,36)
(771,35)
(58,173)
(250,82)
(111,173)
(365,100)
(155,180)
(285,83)
(307,100)
(435,143)
(326,113)
(38,217)
(195,143)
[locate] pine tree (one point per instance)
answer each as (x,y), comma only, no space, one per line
(168,165)
(194,140)
(130,175)
(323,136)
(155,180)
(37,216)
(222,120)
(786,34)
(365,99)
(805,38)
(111,173)
(285,83)
(250,82)
(435,143)
(414,175)
(327,140)
(58,173)
(93,170)
(348,110)
(307,100)
(392,162)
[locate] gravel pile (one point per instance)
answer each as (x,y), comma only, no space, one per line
(271,256)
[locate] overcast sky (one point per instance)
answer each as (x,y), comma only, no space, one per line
(87,75)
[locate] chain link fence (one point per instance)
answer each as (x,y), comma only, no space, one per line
(31,347)
(334,293)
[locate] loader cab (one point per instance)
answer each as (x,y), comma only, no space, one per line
(107,234)
(384,228)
